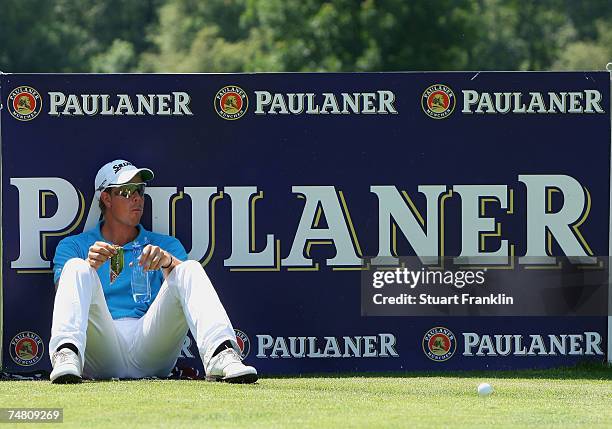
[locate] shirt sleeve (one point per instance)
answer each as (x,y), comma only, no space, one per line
(66,250)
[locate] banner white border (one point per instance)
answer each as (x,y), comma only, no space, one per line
(609,338)
(1,231)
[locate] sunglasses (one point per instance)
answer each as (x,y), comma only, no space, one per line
(126,191)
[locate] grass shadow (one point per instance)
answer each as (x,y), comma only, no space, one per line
(581,371)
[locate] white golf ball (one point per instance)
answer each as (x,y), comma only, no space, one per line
(485,389)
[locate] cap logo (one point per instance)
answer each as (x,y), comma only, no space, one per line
(118,167)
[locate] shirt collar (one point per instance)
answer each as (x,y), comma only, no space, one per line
(140,238)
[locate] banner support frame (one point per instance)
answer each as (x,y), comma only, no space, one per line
(609,339)
(1,233)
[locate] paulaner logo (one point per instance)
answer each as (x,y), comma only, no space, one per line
(439,344)
(438,101)
(243,343)
(572,102)
(24,103)
(174,104)
(325,200)
(366,346)
(26,348)
(231,102)
(381,102)
(583,344)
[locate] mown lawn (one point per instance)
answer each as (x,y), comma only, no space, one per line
(553,398)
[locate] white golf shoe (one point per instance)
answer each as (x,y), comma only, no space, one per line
(66,367)
(227,366)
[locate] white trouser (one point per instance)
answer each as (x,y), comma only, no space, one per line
(135,348)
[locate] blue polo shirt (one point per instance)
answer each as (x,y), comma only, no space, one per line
(118,295)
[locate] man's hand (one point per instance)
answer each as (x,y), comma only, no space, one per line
(99,253)
(154,257)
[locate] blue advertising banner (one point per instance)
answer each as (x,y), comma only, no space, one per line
(287,187)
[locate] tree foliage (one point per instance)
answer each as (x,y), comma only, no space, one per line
(303,35)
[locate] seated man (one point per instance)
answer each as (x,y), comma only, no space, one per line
(100,331)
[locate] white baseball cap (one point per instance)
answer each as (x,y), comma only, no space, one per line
(119,172)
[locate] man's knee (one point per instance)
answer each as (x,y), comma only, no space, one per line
(190,270)
(77,265)
(75,269)
(191,266)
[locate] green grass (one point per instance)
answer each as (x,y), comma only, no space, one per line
(579,397)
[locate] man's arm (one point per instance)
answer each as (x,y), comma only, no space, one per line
(155,258)
(97,254)
(65,250)
(170,265)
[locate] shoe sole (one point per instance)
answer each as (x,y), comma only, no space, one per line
(240,379)
(67,379)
